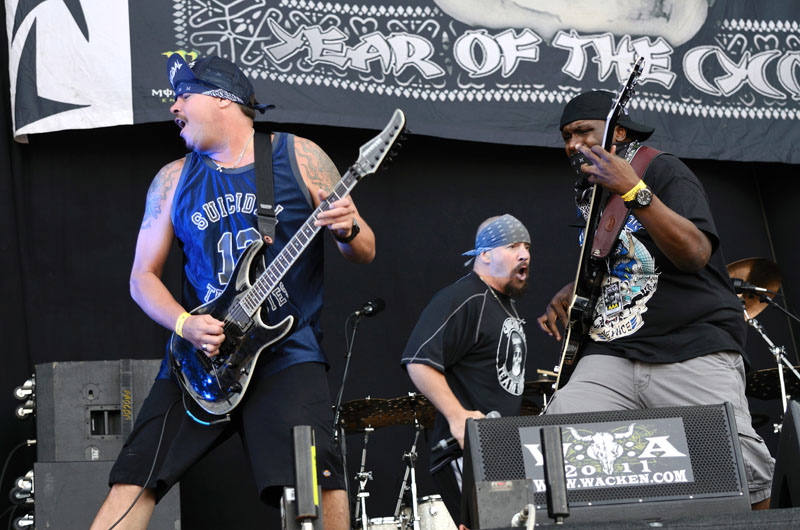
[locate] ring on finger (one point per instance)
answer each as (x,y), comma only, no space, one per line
(204,347)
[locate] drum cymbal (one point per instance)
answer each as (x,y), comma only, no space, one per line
(539,387)
(403,411)
(765,384)
(372,412)
(353,412)
(759,272)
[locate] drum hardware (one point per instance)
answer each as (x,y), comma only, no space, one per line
(433,514)
(363,477)
(757,281)
(781,361)
(364,416)
(410,458)
(544,386)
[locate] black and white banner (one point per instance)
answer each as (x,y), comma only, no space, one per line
(721,78)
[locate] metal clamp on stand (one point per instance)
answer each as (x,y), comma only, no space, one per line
(301,506)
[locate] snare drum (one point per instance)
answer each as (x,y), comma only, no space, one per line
(433,514)
(384,523)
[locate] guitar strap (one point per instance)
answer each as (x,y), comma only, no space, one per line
(615,213)
(265,187)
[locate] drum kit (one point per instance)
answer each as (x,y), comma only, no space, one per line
(363,416)
(757,281)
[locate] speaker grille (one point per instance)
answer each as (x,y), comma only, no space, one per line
(708,433)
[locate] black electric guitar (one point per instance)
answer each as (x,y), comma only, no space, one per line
(218,384)
(591,263)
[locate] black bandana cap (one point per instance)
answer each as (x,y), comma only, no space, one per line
(595,105)
(212,76)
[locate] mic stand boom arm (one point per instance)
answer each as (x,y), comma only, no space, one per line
(780,358)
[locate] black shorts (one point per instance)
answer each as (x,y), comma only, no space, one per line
(297,395)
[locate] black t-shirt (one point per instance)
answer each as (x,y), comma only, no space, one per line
(665,315)
(478,344)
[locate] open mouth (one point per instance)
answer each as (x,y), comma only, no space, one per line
(180,123)
(521,272)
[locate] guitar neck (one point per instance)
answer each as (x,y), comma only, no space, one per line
(277,269)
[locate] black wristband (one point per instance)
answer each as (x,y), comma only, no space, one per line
(354,230)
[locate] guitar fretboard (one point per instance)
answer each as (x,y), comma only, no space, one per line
(266,283)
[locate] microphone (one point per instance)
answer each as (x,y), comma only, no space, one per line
(371,308)
(742,287)
(449,443)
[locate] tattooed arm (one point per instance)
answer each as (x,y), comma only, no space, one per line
(152,250)
(320,176)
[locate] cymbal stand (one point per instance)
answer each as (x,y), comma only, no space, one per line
(411,458)
(363,477)
(781,360)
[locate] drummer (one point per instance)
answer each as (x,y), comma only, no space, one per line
(467,352)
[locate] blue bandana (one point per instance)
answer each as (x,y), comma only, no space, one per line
(212,76)
(504,230)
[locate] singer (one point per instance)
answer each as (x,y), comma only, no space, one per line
(467,352)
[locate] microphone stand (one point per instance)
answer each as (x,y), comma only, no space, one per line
(338,430)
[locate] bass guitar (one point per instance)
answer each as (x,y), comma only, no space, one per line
(591,263)
(218,384)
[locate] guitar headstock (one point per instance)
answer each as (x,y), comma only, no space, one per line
(374,152)
(618,108)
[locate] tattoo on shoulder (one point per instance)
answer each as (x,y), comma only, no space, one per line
(157,194)
(315,164)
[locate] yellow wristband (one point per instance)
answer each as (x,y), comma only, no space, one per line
(179,323)
(632,193)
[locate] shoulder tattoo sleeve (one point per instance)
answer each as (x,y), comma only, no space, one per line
(315,165)
(157,194)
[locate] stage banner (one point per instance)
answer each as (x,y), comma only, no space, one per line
(721,78)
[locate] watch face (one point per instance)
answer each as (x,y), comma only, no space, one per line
(644,196)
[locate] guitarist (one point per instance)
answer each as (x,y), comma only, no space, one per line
(667,329)
(206,201)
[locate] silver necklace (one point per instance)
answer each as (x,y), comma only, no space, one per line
(241,155)
(494,294)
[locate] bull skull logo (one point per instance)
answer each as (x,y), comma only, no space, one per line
(603,446)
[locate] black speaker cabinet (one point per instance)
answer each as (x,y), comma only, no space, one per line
(85,410)
(68,495)
(619,465)
(786,481)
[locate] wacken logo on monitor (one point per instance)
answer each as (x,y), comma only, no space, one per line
(613,454)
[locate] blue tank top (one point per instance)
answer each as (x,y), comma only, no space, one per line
(214,214)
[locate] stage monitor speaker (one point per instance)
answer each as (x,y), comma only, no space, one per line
(619,465)
(86,409)
(68,495)
(786,480)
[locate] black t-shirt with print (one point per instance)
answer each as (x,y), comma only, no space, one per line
(667,315)
(480,347)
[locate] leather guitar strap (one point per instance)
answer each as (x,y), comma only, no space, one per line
(265,187)
(615,213)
